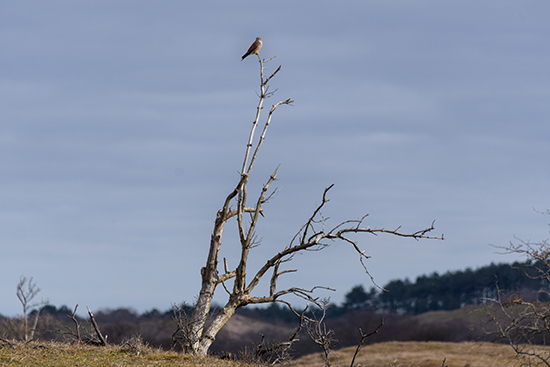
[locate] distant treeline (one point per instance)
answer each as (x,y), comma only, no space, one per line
(398,304)
(450,291)
(434,292)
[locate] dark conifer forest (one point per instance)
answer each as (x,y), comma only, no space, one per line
(435,292)
(449,291)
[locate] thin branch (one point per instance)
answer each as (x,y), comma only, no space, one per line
(240,279)
(261,200)
(226,268)
(363,339)
(262,136)
(315,212)
(266,80)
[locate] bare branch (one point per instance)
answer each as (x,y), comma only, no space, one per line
(311,219)
(240,278)
(266,80)
(226,268)
(101,338)
(363,340)
(336,233)
(76,333)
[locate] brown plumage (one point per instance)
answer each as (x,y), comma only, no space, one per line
(254,49)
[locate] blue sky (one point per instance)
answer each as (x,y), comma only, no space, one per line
(123,127)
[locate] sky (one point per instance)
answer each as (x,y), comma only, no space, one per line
(123,128)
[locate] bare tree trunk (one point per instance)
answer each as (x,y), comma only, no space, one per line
(35,323)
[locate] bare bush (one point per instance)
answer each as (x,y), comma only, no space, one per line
(523,324)
(322,336)
(91,335)
(26,292)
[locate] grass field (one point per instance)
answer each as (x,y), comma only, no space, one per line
(421,354)
(396,354)
(66,355)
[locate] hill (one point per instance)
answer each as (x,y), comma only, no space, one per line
(241,332)
(462,325)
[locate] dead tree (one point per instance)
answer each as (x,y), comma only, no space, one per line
(26,291)
(313,235)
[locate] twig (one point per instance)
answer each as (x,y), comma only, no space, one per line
(363,339)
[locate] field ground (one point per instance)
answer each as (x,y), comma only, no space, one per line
(421,354)
(66,355)
(397,354)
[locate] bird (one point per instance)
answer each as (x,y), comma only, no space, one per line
(254,49)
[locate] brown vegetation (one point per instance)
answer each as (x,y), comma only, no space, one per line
(133,353)
(421,354)
(443,326)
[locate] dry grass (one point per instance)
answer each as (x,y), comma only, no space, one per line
(400,354)
(65,355)
(421,354)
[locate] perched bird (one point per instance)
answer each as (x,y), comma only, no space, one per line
(254,49)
